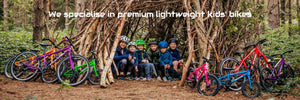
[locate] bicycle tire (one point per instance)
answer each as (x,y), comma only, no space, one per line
(288,72)
(191,84)
(75,75)
(13,68)
(266,83)
(50,72)
(93,79)
(9,63)
(230,62)
(256,90)
(212,82)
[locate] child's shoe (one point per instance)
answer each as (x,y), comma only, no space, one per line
(136,78)
(148,77)
(142,78)
(165,78)
(159,78)
(121,77)
(170,78)
(127,77)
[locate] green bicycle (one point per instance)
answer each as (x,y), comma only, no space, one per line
(93,77)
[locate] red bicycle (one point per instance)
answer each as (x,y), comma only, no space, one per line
(230,62)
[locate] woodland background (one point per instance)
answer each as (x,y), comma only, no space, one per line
(23,24)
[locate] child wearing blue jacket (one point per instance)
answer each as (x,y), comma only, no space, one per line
(166,60)
(143,62)
(177,60)
(132,67)
(121,57)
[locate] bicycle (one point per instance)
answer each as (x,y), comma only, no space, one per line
(33,65)
(269,78)
(11,63)
(248,86)
(231,62)
(211,83)
(94,76)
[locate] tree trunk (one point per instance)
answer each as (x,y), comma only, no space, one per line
(46,12)
(282,4)
(80,7)
(273,14)
(298,14)
(191,45)
(66,10)
(6,8)
(38,20)
(290,17)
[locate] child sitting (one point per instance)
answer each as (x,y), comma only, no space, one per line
(166,60)
(143,63)
(177,60)
(132,67)
(154,56)
(121,57)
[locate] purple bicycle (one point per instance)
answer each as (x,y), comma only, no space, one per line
(29,69)
(269,78)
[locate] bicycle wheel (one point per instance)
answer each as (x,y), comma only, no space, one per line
(49,73)
(22,68)
(9,63)
(191,84)
(251,92)
(261,64)
(93,78)
(288,72)
(232,63)
(73,76)
(211,89)
(266,78)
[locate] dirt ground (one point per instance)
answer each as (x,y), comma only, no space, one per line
(131,90)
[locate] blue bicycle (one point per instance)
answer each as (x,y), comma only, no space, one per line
(249,88)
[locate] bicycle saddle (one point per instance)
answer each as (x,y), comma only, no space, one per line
(196,63)
(45,45)
(228,68)
(34,50)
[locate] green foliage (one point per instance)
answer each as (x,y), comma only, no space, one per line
(64,85)
(279,41)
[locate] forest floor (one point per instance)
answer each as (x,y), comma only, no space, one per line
(133,90)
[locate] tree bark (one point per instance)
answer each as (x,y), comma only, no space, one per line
(6,8)
(282,4)
(191,45)
(66,10)
(46,12)
(290,17)
(38,20)
(80,7)
(273,14)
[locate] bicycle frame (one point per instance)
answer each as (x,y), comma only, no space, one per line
(67,50)
(257,54)
(282,63)
(204,71)
(92,63)
(245,74)
(48,52)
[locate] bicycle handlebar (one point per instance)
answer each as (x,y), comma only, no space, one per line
(254,45)
(290,51)
(70,42)
(50,41)
(206,60)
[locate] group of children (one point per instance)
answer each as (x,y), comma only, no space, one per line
(135,63)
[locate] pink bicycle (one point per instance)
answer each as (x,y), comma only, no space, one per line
(208,84)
